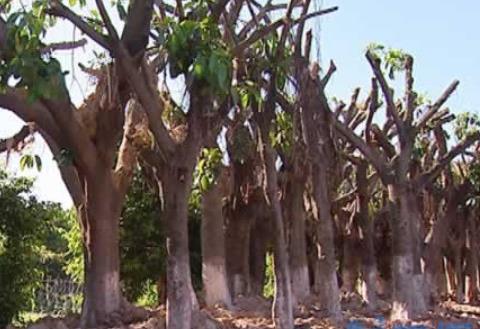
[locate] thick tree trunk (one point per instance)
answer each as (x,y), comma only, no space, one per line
(408,297)
(214,272)
(103,294)
(238,249)
(316,132)
(182,304)
(351,261)
(282,303)
(329,290)
(472,284)
(295,212)
(369,264)
(459,283)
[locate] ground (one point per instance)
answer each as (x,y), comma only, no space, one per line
(254,313)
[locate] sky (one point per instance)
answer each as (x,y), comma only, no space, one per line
(440,35)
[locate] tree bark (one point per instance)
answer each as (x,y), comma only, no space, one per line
(282,312)
(350,260)
(259,243)
(214,272)
(176,180)
(295,212)
(408,297)
(238,249)
(103,294)
(369,264)
(472,284)
(435,249)
(316,131)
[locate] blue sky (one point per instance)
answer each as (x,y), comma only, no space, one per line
(440,35)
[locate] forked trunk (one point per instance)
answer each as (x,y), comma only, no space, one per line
(214,272)
(102,287)
(181,300)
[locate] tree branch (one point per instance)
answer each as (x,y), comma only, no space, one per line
(135,34)
(107,21)
(59,10)
(370,154)
(387,92)
(15,100)
(409,93)
(10,143)
(64,46)
(151,103)
(331,69)
(433,173)
(436,106)
(371,111)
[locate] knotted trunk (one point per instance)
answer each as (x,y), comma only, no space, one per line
(214,273)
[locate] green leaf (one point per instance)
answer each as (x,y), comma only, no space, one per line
(26,161)
(38,162)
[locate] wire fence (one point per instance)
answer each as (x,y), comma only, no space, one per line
(58,296)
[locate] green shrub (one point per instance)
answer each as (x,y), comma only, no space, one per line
(22,226)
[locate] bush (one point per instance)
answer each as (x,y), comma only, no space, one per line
(22,227)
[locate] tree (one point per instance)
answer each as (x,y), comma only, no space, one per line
(84,140)
(394,167)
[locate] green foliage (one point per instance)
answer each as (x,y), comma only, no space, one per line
(142,242)
(466,124)
(29,245)
(269,284)
(421,147)
(208,168)
(246,93)
(281,135)
(73,259)
(29,161)
(194,46)
(24,61)
(242,145)
(394,59)
(149,295)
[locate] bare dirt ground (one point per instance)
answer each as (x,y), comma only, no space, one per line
(254,313)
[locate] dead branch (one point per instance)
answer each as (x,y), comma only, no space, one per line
(432,109)
(387,92)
